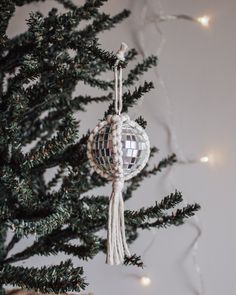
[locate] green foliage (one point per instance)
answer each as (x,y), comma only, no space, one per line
(130,98)
(134,260)
(39,71)
(140,69)
(57,278)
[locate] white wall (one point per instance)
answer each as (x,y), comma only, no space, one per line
(198,67)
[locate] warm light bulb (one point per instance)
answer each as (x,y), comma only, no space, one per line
(204,159)
(204,20)
(145,281)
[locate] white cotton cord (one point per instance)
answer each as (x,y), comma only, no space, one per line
(120,92)
(116,90)
(120,54)
(117,246)
(118,78)
(122,220)
(115,250)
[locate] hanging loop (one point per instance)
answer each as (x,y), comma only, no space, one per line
(118,78)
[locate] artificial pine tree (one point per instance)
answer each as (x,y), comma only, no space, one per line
(38,76)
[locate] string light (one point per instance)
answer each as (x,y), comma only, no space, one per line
(156,19)
(204,159)
(204,20)
(214,157)
(145,281)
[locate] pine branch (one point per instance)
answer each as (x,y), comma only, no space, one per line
(18,105)
(42,128)
(99,200)
(46,247)
(82,252)
(135,182)
(20,190)
(23,2)
(52,101)
(40,29)
(10,130)
(94,82)
(66,135)
(103,22)
(102,60)
(156,211)
(81,180)
(57,101)
(15,239)
(105,60)
(53,279)
(40,226)
(140,120)
(85,10)
(3,235)
(5,212)
(75,154)
(176,218)
(166,162)
(134,260)
(95,218)
(16,48)
(105,56)
(58,176)
(110,58)
(140,69)
(7,9)
(130,99)
(40,26)
(57,241)
(131,55)
(80,101)
(68,4)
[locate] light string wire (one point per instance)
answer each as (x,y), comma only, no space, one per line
(169,124)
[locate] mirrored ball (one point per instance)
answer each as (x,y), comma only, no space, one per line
(134,148)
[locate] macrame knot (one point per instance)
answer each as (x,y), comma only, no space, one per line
(118,183)
(121,52)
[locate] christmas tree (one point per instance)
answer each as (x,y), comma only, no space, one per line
(40,69)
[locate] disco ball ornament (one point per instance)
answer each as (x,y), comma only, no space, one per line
(118,149)
(131,146)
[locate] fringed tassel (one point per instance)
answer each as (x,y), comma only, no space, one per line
(117,247)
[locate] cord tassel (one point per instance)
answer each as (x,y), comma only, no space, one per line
(117,247)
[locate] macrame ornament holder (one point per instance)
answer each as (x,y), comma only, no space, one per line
(117,247)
